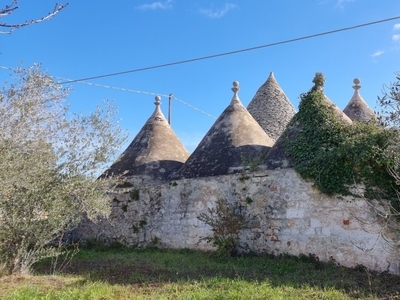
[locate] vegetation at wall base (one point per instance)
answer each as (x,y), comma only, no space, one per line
(131,273)
(226,221)
(336,155)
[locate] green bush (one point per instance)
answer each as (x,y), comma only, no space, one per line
(226,222)
(336,155)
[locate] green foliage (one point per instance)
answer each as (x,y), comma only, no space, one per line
(334,154)
(124,184)
(249,200)
(154,243)
(132,273)
(243,177)
(93,245)
(49,160)
(390,104)
(251,163)
(135,229)
(226,222)
(134,195)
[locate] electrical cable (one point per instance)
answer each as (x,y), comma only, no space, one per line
(131,91)
(143,92)
(232,52)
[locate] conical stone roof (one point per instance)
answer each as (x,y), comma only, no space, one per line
(277,157)
(271,108)
(357,109)
(154,154)
(234,139)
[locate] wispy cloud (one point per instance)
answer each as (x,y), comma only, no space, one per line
(396,36)
(215,13)
(378,53)
(162,5)
(395,45)
(340,3)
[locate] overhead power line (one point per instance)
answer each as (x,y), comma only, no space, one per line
(234,52)
(144,92)
(131,91)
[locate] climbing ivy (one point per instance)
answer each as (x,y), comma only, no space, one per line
(334,154)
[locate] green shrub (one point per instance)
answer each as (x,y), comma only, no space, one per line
(226,222)
(134,195)
(336,155)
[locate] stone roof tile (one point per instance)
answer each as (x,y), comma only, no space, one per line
(155,153)
(271,108)
(234,138)
(357,109)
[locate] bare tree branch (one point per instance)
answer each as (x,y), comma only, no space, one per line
(11,8)
(8,10)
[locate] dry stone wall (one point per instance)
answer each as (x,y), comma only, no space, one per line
(290,216)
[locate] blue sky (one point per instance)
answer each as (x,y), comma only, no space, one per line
(92,37)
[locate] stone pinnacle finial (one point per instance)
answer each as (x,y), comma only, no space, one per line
(356,85)
(157,101)
(271,75)
(235,89)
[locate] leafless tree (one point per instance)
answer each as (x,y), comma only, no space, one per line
(13,6)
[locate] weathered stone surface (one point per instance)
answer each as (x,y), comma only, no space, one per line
(271,108)
(357,109)
(288,214)
(234,140)
(155,153)
(290,217)
(277,158)
(340,115)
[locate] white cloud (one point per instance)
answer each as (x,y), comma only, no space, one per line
(217,13)
(163,5)
(340,3)
(378,53)
(395,43)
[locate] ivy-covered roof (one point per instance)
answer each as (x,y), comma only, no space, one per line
(277,156)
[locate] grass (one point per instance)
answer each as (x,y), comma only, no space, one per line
(126,273)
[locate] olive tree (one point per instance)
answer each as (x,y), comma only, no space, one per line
(49,161)
(390,103)
(389,116)
(11,8)
(387,213)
